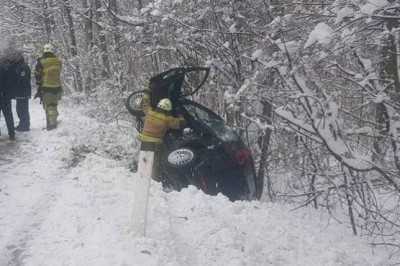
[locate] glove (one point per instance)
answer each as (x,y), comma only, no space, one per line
(187,131)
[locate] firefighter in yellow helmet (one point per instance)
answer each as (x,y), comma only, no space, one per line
(156,124)
(48,79)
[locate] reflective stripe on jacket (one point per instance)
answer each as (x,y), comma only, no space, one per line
(157,123)
(48,72)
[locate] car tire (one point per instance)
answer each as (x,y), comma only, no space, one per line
(133,103)
(181,158)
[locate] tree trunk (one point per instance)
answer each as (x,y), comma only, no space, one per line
(73,47)
(391,55)
(263,141)
(349,200)
(88,24)
(389,70)
(89,40)
(380,118)
(140,4)
(117,37)
(119,66)
(48,21)
(102,42)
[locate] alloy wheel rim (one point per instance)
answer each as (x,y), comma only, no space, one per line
(180,157)
(136,101)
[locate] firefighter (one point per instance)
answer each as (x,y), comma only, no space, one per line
(48,79)
(156,124)
(22,92)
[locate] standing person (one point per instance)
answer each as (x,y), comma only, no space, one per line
(23,92)
(156,124)
(48,78)
(7,86)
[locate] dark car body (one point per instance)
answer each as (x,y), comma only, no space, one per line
(208,153)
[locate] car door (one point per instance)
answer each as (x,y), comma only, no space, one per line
(177,83)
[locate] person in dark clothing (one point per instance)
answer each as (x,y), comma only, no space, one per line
(23,92)
(7,86)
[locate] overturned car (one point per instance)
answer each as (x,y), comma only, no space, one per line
(208,153)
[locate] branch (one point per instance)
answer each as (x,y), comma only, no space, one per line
(114,15)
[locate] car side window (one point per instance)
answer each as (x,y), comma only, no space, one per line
(217,126)
(198,113)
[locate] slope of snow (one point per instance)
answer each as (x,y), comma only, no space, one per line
(61,205)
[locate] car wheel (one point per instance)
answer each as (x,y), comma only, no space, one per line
(133,103)
(181,158)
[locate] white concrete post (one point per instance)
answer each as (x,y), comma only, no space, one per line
(141,190)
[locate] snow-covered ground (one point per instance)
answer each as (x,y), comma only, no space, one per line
(62,202)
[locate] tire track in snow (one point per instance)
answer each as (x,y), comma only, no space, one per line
(28,185)
(25,231)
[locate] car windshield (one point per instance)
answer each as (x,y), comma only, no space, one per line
(217,125)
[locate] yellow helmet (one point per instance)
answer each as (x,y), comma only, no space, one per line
(165,104)
(48,48)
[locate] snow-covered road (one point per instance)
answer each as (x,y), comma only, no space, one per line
(66,200)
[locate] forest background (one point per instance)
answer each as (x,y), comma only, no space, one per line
(312,86)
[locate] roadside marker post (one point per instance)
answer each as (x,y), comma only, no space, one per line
(142,190)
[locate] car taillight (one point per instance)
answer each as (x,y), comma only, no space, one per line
(242,155)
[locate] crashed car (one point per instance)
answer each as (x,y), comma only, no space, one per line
(208,153)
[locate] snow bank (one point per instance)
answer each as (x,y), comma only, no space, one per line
(63,212)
